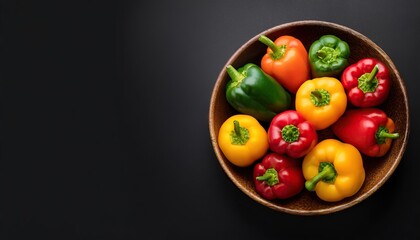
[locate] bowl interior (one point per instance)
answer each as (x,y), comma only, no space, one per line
(378,170)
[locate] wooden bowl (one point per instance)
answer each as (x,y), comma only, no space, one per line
(378,170)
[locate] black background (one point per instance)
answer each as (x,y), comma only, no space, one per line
(104,120)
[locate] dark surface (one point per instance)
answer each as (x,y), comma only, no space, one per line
(104,121)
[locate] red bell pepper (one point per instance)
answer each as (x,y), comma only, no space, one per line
(278,177)
(368,129)
(367,82)
(289,133)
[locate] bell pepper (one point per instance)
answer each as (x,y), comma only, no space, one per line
(367,82)
(321,101)
(289,133)
(328,56)
(286,61)
(368,129)
(243,140)
(278,177)
(253,92)
(334,170)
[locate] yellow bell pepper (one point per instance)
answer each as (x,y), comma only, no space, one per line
(334,170)
(242,140)
(321,101)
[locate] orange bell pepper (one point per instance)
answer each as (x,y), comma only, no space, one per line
(286,61)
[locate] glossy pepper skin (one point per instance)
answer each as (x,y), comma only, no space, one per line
(368,129)
(242,140)
(289,133)
(286,61)
(334,170)
(328,56)
(253,92)
(367,82)
(321,101)
(278,177)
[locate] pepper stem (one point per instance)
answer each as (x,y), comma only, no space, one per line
(373,73)
(383,133)
(320,97)
(239,135)
(389,135)
(237,128)
(278,51)
(327,54)
(368,81)
(326,172)
(270,176)
(290,133)
(234,74)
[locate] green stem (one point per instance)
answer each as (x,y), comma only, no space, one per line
(239,135)
(372,74)
(368,81)
(270,176)
(326,173)
(389,135)
(321,54)
(383,133)
(234,74)
(278,51)
(320,97)
(237,128)
(290,133)
(316,94)
(327,54)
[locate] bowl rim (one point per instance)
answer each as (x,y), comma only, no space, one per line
(213,136)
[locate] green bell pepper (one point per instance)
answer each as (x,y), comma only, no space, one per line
(251,91)
(328,56)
